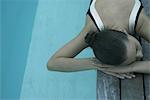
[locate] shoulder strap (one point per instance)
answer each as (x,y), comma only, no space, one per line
(95,17)
(134,16)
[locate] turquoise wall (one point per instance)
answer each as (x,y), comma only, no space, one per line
(32,32)
(56,23)
(0,54)
(17,23)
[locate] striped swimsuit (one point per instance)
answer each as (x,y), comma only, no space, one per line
(132,20)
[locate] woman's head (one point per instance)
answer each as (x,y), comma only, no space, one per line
(114,47)
(134,50)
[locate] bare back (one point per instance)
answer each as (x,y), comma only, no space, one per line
(115,14)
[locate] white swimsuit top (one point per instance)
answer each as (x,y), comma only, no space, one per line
(132,20)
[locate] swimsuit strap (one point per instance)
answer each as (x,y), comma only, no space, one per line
(134,16)
(95,17)
(132,20)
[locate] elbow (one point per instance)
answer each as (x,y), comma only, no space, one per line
(50,65)
(53,64)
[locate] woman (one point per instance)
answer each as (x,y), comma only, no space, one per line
(107,18)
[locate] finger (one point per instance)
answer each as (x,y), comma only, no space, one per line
(133,75)
(127,76)
(130,74)
(116,75)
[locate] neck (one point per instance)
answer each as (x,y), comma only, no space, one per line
(119,28)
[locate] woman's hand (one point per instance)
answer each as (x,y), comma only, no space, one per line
(121,72)
(113,68)
(120,75)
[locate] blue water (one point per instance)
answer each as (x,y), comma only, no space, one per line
(33,31)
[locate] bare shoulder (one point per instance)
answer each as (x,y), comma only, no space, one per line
(143,27)
(88,27)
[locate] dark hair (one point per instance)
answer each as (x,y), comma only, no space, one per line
(108,46)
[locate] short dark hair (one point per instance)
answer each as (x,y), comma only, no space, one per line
(109,46)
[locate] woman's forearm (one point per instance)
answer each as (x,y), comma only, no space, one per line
(71,64)
(141,67)
(138,66)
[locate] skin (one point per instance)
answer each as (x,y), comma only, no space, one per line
(63,60)
(134,51)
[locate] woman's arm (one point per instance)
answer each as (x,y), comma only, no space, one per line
(141,67)
(144,27)
(63,59)
(63,64)
(138,66)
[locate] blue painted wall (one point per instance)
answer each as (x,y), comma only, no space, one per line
(32,32)
(0,54)
(17,23)
(56,23)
